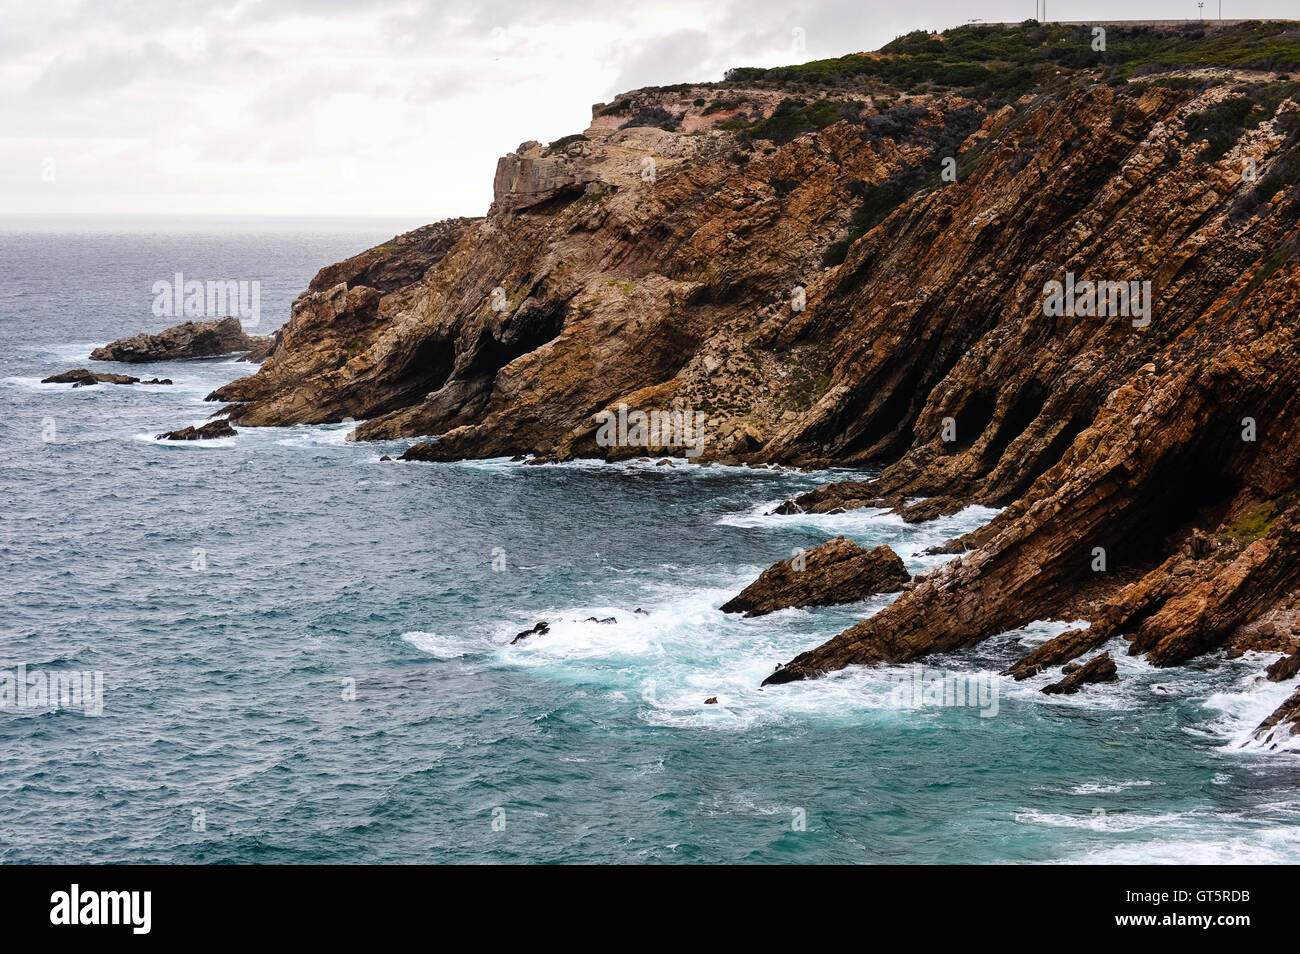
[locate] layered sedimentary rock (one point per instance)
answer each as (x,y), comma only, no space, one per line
(191,339)
(845,273)
(837,571)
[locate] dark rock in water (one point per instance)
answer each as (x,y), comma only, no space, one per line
(1098,669)
(157,381)
(541,629)
(1284,668)
(837,571)
(711,701)
(212,429)
(1070,667)
(80,378)
(606,620)
(640,612)
(193,339)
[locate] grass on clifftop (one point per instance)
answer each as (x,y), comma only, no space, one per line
(1005,61)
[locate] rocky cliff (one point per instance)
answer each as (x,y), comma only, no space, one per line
(1001,264)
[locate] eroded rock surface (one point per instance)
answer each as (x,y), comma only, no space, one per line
(1100,669)
(192,339)
(837,571)
(206,432)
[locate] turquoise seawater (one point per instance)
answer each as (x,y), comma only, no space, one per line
(306,658)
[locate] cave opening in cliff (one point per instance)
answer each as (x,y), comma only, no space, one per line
(1016,484)
(1183,492)
(971,421)
(1025,408)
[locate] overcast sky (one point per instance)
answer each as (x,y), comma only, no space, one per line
(390,107)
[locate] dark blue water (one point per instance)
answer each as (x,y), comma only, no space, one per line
(305,651)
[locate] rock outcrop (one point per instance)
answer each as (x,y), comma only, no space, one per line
(1285,668)
(837,571)
(1282,724)
(1099,669)
(207,432)
(541,629)
(192,339)
(80,378)
(865,262)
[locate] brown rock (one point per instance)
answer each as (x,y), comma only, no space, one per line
(837,571)
(1285,668)
(1282,724)
(1099,669)
(193,339)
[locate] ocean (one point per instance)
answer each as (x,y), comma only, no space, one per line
(306,657)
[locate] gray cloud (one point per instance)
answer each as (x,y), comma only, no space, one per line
(386,107)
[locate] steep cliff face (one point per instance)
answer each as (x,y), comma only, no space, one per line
(853,264)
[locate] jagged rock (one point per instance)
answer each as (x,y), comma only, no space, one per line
(711,701)
(1285,668)
(608,620)
(385,457)
(1100,669)
(1282,724)
(540,629)
(80,378)
(530,176)
(837,571)
(193,339)
(209,431)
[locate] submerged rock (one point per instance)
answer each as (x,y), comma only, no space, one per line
(541,629)
(193,339)
(1100,669)
(209,431)
(837,571)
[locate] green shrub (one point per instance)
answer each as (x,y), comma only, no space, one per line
(560,144)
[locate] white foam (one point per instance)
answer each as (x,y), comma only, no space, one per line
(1239,709)
(873,524)
(442,647)
(211,443)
